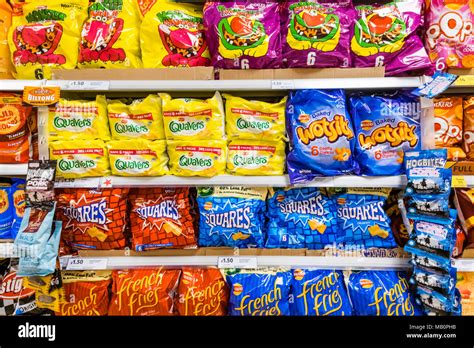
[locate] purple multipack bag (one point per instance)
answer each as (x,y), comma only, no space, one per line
(317,33)
(243,34)
(386,35)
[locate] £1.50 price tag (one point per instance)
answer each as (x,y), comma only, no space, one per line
(283,84)
(87,85)
(79,264)
(237,262)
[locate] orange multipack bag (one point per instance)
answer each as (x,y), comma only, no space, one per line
(6,66)
(468,141)
(448,119)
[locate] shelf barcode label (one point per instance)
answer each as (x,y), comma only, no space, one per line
(88,85)
(79,264)
(237,262)
(283,84)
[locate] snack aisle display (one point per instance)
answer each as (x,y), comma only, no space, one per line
(341,196)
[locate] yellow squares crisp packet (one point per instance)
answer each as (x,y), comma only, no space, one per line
(138,157)
(80,158)
(197,158)
(254,120)
(142,118)
(256,157)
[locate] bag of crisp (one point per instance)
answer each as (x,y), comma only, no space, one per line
(448,122)
(110,38)
(45,35)
(253,119)
(192,119)
(6,67)
(468,141)
(172,35)
(138,157)
(139,119)
(79,119)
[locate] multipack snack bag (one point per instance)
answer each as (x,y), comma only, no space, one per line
(172,35)
(448,37)
(140,118)
(448,112)
(317,35)
(254,157)
(18,200)
(6,66)
(321,135)
(6,210)
(161,218)
(110,37)
(80,158)
(254,119)
(386,125)
(45,36)
(386,35)
(71,119)
(138,157)
(243,34)
(193,119)
(468,141)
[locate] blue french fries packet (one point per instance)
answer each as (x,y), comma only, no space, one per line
(433,205)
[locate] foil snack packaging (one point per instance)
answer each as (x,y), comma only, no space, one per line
(449,126)
(468,140)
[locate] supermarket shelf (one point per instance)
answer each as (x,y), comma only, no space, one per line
(464,265)
(7,249)
(13,169)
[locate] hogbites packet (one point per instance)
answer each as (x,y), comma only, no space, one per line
(86,293)
(138,157)
(321,135)
(161,218)
(259,292)
(253,119)
(144,292)
(381,293)
(93,219)
(243,34)
(436,303)
(110,37)
(444,283)
(433,205)
(449,126)
(363,220)
(317,35)
(300,218)
(172,35)
(319,292)
(386,125)
(231,216)
(137,119)
(256,157)
(468,141)
(45,36)
(429,259)
(202,292)
(79,119)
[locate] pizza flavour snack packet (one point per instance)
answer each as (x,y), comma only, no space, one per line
(109,37)
(193,119)
(44,36)
(319,293)
(71,119)
(300,218)
(138,157)
(256,157)
(259,292)
(449,126)
(321,135)
(136,119)
(161,218)
(80,158)
(468,141)
(231,216)
(144,292)
(198,157)
(386,126)
(254,119)
(172,35)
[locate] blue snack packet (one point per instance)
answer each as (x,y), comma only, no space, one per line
(427,259)
(441,282)
(426,172)
(321,135)
(381,293)
(231,216)
(436,301)
(300,218)
(319,292)
(259,292)
(6,211)
(19,204)
(386,126)
(363,220)
(433,205)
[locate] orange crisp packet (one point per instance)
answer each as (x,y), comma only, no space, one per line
(468,143)
(449,125)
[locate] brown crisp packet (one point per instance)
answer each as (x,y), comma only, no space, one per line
(464,202)
(468,140)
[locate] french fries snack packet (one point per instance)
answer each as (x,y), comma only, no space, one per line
(110,37)
(172,35)
(79,119)
(193,119)
(45,35)
(448,112)
(140,119)
(161,218)
(80,158)
(138,157)
(254,157)
(197,158)
(468,141)
(253,119)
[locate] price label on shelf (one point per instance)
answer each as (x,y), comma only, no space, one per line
(88,85)
(237,262)
(65,183)
(459,181)
(79,264)
(283,84)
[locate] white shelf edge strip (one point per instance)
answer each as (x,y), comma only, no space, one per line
(13,169)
